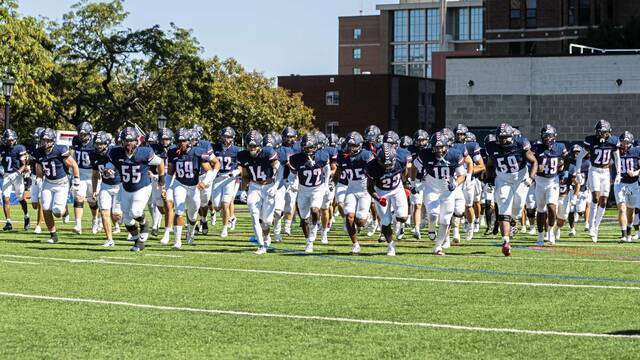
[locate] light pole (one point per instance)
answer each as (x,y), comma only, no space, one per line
(7,88)
(162,122)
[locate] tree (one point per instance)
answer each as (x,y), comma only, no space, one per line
(26,55)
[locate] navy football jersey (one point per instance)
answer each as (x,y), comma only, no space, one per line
(462,148)
(12,157)
(601,152)
(473,148)
(228,157)
(342,162)
(584,170)
(310,173)
(355,169)
(511,158)
(134,170)
(187,165)
(99,163)
(258,167)
(629,161)
(444,168)
(205,145)
(53,167)
(566,179)
(332,152)
(385,179)
(414,150)
(162,153)
(82,153)
(549,158)
(31,150)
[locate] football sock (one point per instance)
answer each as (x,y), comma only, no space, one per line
(177,231)
(599,216)
(592,214)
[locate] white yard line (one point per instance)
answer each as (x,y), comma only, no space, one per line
(20,262)
(328,275)
(163,255)
(319,318)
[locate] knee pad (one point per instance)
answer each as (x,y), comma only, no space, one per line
(93,206)
(458,215)
(78,204)
(401,219)
(131,228)
(504,218)
(57,213)
(139,219)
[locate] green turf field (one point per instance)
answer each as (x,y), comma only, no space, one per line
(217,300)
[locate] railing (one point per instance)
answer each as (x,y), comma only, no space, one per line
(594,50)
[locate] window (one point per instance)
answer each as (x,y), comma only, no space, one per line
(428,71)
(357,71)
(584,12)
(416,53)
(476,23)
(532,13)
(400,69)
(332,98)
(416,70)
(571,12)
(433,25)
(401,26)
(417,25)
(357,53)
(431,48)
(331,127)
(463,24)
(357,33)
(400,53)
(516,14)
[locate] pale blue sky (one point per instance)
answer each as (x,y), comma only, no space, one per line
(277,37)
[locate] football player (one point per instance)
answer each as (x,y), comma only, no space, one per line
(82,149)
(443,170)
(152,140)
(225,185)
(551,157)
(259,165)
(580,207)
(357,201)
(404,156)
(186,163)
(627,191)
(326,210)
(569,192)
(384,184)
(163,204)
(290,146)
(312,167)
(36,183)
(603,150)
(508,158)
(469,188)
(420,142)
(52,164)
(13,166)
(132,163)
(108,179)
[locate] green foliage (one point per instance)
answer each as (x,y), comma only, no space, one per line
(91,68)
(27,57)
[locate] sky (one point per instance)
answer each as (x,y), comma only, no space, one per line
(278,37)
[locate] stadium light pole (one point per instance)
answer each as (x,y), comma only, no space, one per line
(162,122)
(7,89)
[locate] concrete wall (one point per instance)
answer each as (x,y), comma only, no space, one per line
(571,93)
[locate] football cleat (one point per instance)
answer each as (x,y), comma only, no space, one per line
(506,249)
(205,227)
(139,246)
(94,226)
(382,238)
(108,243)
(416,234)
(432,235)
(177,245)
(278,238)
(308,248)
(27,221)
(154,232)
(7,227)
(53,239)
(224,233)
(355,248)
(77,230)
(261,251)
(391,249)
(572,232)
(439,253)
(165,238)
(232,223)
(37,230)
(116,229)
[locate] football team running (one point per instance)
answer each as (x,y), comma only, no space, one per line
(376,182)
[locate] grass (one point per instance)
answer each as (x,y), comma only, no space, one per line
(473,286)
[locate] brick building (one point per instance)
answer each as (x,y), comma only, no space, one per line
(343,103)
(547,27)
